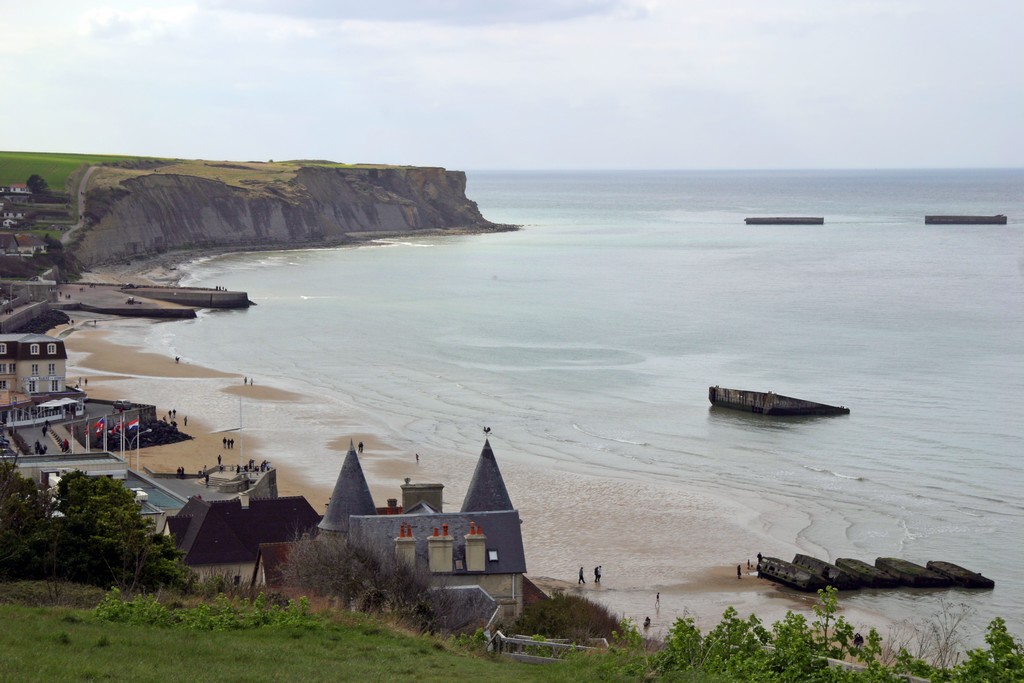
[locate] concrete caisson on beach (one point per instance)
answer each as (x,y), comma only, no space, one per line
(911,574)
(829,573)
(962,577)
(769,403)
(868,575)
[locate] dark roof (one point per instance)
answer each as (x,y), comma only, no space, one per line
(503,530)
(487,489)
(351,495)
(223,532)
(273,557)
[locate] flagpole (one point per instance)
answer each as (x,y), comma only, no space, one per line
(241,439)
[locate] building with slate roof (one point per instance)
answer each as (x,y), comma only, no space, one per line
(223,538)
(480,545)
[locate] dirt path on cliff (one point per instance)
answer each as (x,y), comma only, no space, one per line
(81,204)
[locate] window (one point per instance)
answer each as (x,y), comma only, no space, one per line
(3,348)
(34,349)
(51,369)
(31,386)
(51,349)
(35,369)
(3,384)
(54,385)
(492,555)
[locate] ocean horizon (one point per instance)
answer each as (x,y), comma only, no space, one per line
(587,341)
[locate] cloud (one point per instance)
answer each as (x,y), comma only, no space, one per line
(455,12)
(134,25)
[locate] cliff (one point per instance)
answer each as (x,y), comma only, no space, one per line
(200,206)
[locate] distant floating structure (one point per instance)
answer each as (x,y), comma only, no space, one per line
(769,403)
(998,219)
(785,220)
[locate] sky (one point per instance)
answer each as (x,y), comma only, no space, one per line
(533,84)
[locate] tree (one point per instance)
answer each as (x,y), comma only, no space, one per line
(103,540)
(23,516)
(36,184)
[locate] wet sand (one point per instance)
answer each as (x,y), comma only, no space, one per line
(649,539)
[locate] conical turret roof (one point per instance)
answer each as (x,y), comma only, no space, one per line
(351,495)
(487,492)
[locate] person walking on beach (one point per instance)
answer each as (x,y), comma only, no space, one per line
(657,602)
(360,448)
(218,459)
(597,574)
(739,571)
(582,580)
(417,458)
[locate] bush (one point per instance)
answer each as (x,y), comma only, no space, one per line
(568,616)
(221,615)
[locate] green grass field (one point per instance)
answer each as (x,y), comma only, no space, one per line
(16,167)
(53,644)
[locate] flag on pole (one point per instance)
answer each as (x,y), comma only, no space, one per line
(101,425)
(134,424)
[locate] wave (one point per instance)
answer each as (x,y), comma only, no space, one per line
(393,243)
(822,470)
(608,438)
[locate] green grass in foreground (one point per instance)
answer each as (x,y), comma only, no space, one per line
(52,644)
(16,167)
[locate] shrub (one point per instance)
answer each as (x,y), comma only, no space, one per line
(568,616)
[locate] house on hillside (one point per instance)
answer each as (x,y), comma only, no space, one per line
(480,545)
(223,537)
(17,189)
(30,244)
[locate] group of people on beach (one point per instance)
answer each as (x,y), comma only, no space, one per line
(597,575)
(228,443)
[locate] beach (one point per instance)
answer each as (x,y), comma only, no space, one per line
(629,541)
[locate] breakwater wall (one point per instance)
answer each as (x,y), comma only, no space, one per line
(195,297)
(22,316)
(139,312)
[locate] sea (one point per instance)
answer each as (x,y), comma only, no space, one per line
(586,343)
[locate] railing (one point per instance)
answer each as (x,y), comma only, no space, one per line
(525,649)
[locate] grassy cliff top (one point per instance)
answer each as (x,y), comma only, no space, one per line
(16,167)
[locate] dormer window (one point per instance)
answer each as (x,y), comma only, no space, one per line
(492,555)
(51,349)
(34,349)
